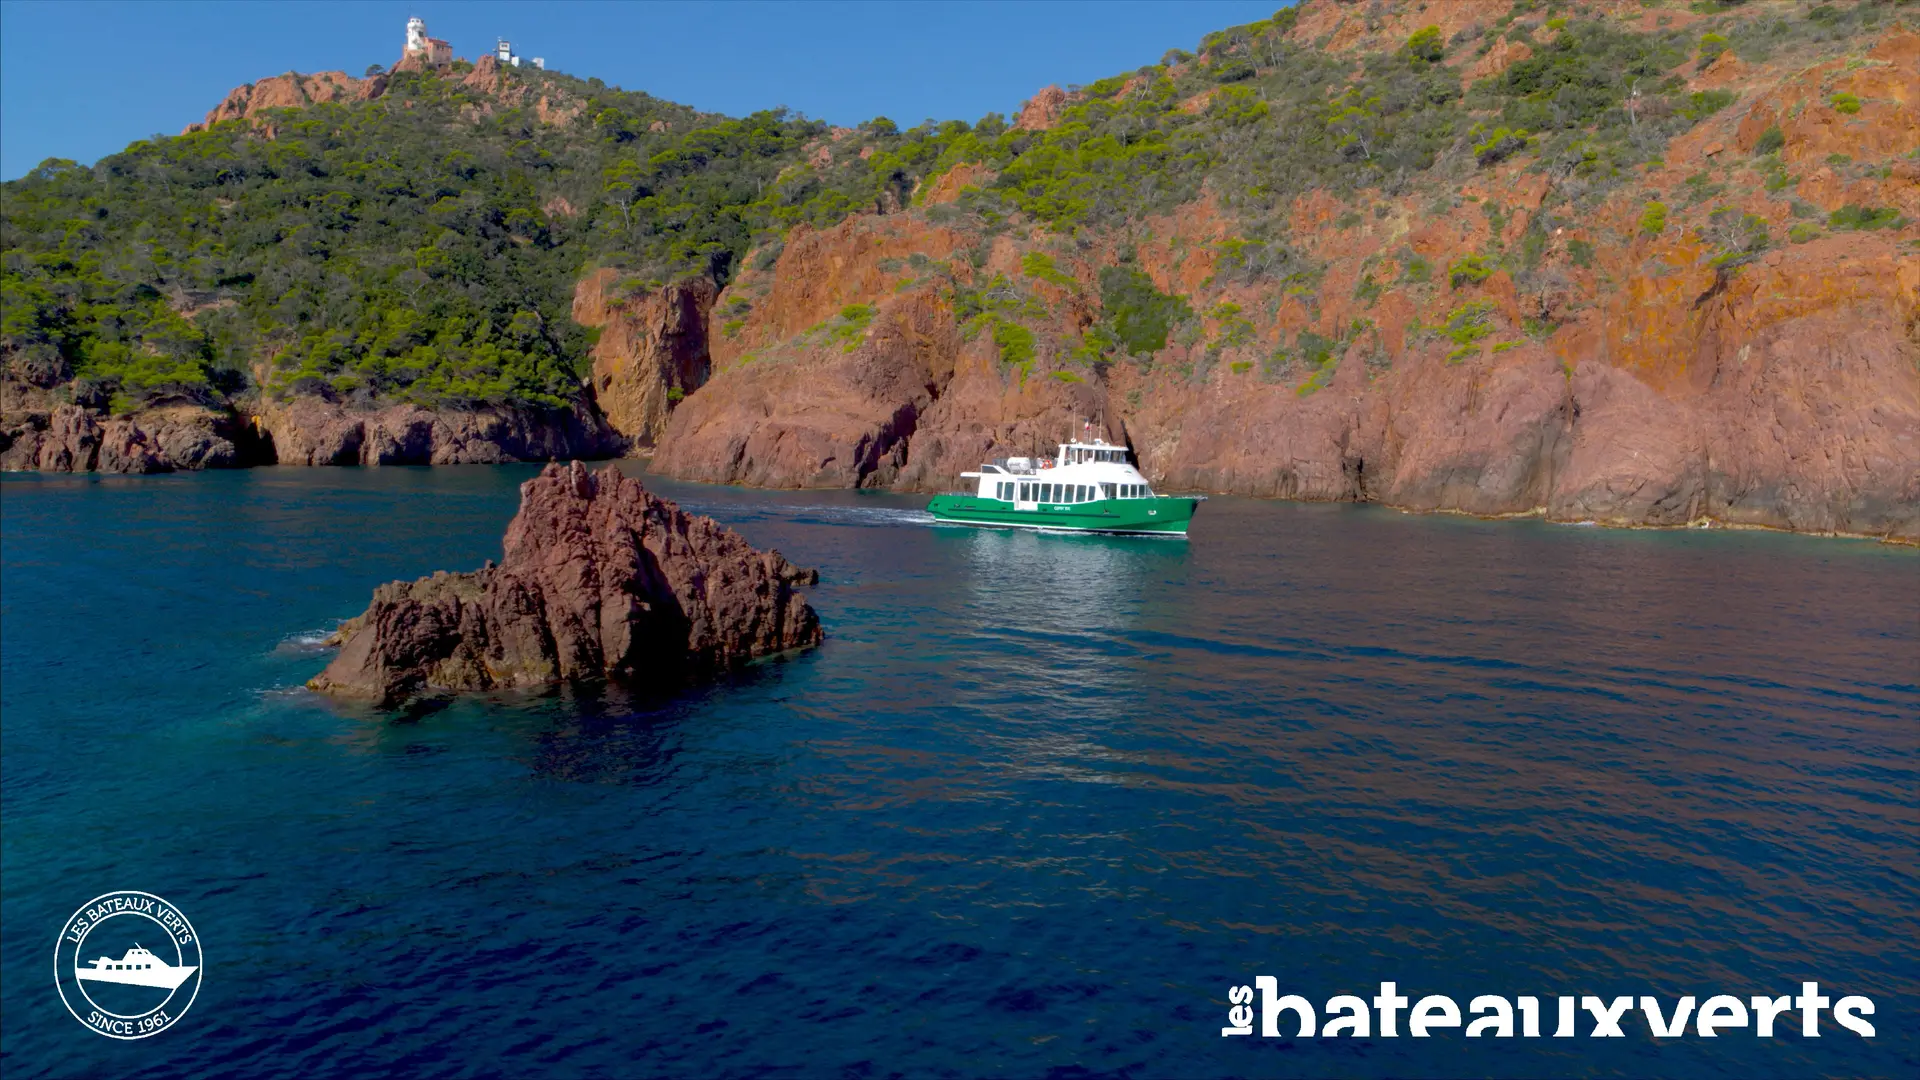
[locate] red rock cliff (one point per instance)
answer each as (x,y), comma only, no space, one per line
(1628,378)
(291,91)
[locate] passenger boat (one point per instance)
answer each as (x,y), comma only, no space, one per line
(139,967)
(1088,486)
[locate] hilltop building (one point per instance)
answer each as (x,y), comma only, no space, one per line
(504,53)
(431,50)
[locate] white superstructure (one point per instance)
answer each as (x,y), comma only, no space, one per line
(1079,472)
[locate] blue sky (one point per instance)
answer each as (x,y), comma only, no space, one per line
(81,80)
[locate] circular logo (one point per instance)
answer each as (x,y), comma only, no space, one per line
(127,965)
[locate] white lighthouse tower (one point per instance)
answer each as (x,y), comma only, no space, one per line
(416,36)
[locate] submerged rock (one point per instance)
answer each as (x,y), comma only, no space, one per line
(601,580)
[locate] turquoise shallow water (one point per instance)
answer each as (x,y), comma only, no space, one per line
(1033,808)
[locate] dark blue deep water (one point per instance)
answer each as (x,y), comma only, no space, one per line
(1033,808)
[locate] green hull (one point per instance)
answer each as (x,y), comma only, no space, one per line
(1162,514)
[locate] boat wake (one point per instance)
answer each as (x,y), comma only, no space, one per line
(305,643)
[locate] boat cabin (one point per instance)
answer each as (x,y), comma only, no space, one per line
(1081,472)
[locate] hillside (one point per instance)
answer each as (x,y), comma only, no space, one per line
(1641,263)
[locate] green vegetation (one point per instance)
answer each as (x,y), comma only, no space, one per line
(1014,341)
(1705,103)
(1469,270)
(1500,144)
(1580,253)
(411,247)
(1038,264)
(424,246)
(1235,330)
(1137,315)
(1367,290)
(849,329)
(1466,326)
(999,307)
(1856,217)
(1653,220)
(1770,141)
(1426,45)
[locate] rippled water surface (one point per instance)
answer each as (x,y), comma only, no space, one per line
(1034,806)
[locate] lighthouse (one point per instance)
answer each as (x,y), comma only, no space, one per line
(430,50)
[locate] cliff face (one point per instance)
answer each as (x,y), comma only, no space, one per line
(46,426)
(311,431)
(1637,375)
(845,367)
(600,580)
(652,350)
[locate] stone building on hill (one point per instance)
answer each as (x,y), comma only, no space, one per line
(428,51)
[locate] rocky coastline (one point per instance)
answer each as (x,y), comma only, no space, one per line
(1493,337)
(600,580)
(66,427)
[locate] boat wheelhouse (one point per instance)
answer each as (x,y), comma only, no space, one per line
(1088,486)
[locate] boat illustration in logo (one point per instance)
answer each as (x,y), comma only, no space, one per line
(138,968)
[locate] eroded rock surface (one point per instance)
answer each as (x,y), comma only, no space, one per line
(600,579)
(311,431)
(652,349)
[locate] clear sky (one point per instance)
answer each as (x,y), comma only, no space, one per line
(82,79)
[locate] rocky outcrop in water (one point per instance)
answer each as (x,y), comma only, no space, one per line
(600,579)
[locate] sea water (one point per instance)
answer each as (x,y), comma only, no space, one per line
(1034,807)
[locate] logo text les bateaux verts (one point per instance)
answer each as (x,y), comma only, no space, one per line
(128,964)
(1564,1016)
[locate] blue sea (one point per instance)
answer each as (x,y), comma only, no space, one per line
(1034,807)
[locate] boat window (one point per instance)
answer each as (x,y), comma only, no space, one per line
(1024,492)
(1080,493)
